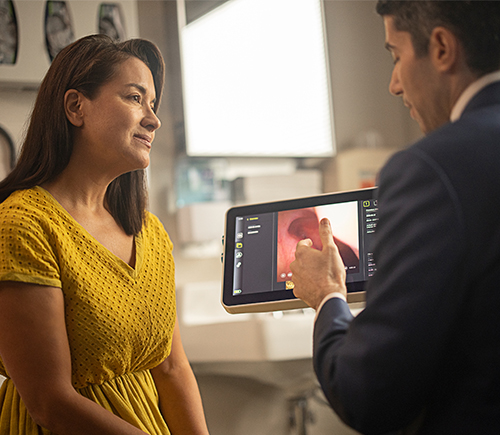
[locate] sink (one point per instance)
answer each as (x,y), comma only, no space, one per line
(210,334)
(268,353)
(261,337)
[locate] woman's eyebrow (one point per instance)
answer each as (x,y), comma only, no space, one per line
(140,88)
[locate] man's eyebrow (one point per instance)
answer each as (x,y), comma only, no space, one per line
(389,47)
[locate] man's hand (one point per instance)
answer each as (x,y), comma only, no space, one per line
(315,273)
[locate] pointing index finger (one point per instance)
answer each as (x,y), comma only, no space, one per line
(325,233)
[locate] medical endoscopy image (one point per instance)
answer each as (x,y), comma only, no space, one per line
(299,224)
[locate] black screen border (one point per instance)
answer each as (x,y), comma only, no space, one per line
(355,289)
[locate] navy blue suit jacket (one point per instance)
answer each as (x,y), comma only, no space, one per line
(427,347)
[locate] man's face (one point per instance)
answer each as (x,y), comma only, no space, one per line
(415,80)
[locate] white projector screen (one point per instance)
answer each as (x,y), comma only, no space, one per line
(256,81)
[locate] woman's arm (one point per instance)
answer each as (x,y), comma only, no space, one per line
(180,400)
(35,351)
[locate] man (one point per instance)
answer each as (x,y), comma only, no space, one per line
(424,356)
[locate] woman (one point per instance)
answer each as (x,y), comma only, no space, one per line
(89,340)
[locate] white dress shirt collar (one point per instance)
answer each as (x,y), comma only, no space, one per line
(472,90)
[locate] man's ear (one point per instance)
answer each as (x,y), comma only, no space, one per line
(444,49)
(73,107)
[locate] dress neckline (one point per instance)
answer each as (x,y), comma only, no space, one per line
(138,239)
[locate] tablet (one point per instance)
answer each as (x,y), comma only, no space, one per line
(260,242)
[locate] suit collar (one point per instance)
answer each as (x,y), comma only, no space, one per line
(472,92)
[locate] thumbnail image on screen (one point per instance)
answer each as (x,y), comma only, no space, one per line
(299,224)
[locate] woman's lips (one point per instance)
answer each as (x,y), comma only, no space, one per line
(145,139)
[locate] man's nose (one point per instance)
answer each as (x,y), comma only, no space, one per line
(395,85)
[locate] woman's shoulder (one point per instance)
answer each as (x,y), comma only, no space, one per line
(153,227)
(152,222)
(30,208)
(23,202)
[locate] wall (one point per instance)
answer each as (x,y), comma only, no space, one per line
(360,72)
(15,107)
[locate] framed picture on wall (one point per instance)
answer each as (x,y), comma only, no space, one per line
(9,36)
(7,153)
(58,27)
(111,21)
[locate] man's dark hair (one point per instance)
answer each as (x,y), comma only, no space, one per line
(475,23)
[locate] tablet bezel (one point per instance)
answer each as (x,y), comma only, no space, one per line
(281,299)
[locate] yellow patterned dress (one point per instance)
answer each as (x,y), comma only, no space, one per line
(119,319)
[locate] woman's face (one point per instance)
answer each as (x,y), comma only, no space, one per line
(293,226)
(118,125)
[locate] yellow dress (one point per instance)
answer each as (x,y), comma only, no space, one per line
(119,319)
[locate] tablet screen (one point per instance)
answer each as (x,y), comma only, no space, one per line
(260,242)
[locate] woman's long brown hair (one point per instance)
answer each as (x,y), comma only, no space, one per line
(85,65)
